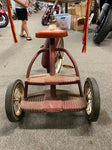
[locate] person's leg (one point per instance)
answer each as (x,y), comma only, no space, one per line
(24,28)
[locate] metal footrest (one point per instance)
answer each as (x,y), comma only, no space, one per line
(64,101)
(57,79)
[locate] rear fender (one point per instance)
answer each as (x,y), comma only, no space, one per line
(45,55)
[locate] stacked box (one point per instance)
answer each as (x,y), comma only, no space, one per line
(69,4)
(78,10)
(72,21)
(78,17)
(73,5)
(72,11)
(63,5)
(81,9)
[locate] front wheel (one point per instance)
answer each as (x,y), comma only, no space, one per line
(92,96)
(14,95)
(4,20)
(104,28)
(59,56)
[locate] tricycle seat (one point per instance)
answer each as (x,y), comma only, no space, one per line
(51,33)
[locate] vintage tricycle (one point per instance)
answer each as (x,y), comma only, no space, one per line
(18,100)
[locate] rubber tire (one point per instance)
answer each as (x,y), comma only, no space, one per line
(44,22)
(95,100)
(62,46)
(8,102)
(6,21)
(105,28)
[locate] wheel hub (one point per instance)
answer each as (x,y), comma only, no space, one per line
(18,94)
(89,102)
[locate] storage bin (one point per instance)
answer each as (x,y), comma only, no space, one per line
(63,20)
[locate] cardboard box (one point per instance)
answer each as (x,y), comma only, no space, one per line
(78,28)
(73,11)
(73,20)
(63,5)
(73,5)
(78,10)
(69,4)
(70,11)
(72,17)
(77,23)
(83,8)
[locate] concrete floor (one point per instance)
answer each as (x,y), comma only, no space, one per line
(66,131)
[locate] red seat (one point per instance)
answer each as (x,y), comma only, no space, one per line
(51,33)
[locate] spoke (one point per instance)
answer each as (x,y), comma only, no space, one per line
(16,104)
(16,90)
(16,93)
(88,94)
(16,99)
(88,91)
(19,111)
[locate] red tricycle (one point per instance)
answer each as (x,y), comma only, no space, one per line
(18,100)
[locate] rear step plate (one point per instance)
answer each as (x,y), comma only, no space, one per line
(64,101)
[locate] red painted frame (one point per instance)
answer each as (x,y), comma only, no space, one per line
(52,50)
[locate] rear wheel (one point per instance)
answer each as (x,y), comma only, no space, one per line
(14,95)
(92,95)
(59,56)
(104,28)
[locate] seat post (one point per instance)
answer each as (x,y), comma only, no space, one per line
(52,64)
(52,56)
